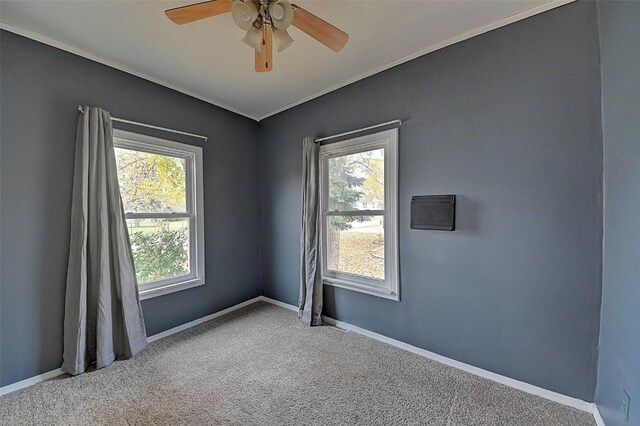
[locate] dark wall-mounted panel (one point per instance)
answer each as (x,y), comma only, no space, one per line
(433,212)
(510,122)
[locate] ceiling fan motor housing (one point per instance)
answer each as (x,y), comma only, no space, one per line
(264,21)
(246,12)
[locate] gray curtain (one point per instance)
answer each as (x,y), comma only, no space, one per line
(310,301)
(103,318)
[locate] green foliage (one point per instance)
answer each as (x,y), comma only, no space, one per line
(373,186)
(343,191)
(151,182)
(160,253)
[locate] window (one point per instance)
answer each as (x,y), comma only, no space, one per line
(358,186)
(161,188)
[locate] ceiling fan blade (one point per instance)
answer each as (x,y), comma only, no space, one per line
(264,58)
(195,12)
(321,30)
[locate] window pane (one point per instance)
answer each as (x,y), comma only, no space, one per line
(356,181)
(151,183)
(355,244)
(160,248)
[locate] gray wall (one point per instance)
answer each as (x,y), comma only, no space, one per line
(509,121)
(619,358)
(41,88)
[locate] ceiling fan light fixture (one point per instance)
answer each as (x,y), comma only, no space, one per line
(244,13)
(265,23)
(281,13)
(253,38)
(282,39)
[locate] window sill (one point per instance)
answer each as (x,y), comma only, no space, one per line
(170,288)
(380,292)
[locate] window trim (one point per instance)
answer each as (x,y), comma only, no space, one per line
(194,208)
(388,288)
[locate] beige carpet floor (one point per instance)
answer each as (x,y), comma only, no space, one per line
(260,366)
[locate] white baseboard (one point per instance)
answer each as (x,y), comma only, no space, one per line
(57,372)
(598,418)
(278,303)
(30,381)
(516,384)
(193,323)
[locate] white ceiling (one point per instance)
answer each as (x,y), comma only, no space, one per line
(206,59)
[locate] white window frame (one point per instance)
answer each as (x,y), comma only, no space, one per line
(194,208)
(388,288)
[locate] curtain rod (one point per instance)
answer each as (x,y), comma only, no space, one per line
(375,126)
(151,126)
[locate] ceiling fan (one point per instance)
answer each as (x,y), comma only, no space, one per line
(262,20)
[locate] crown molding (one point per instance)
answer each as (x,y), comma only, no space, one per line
(83,53)
(551,4)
